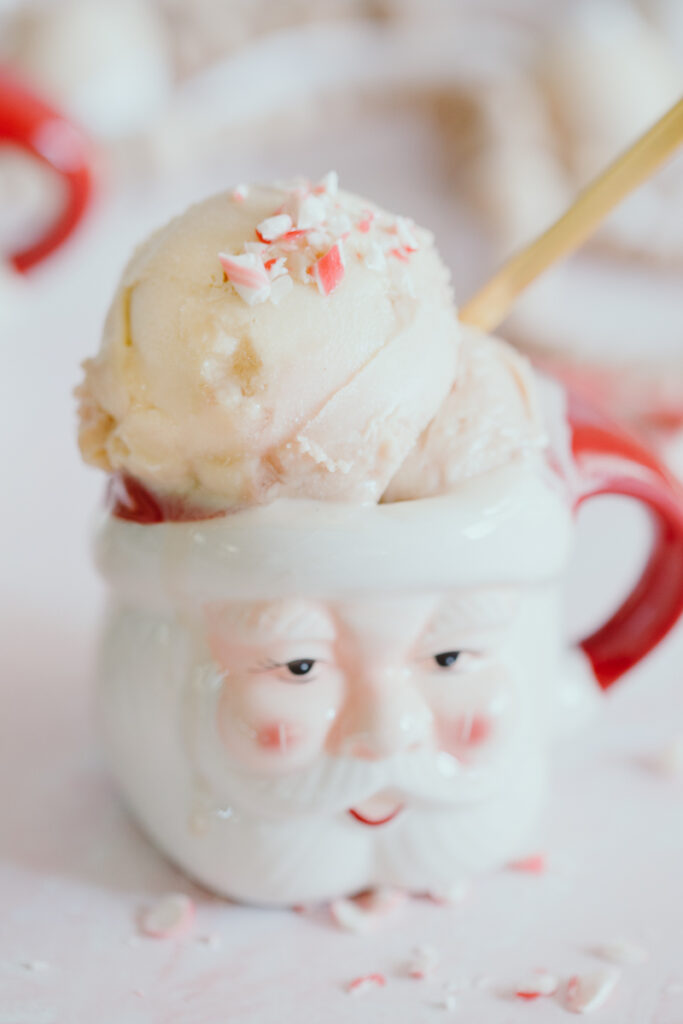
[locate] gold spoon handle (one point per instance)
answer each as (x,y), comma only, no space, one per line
(490,305)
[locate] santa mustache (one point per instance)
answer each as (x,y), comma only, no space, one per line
(336,784)
(333,783)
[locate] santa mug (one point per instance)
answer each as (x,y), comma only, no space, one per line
(28,122)
(311,699)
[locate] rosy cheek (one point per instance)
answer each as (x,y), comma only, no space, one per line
(464,733)
(279,737)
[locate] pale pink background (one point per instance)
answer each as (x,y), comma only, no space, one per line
(74,871)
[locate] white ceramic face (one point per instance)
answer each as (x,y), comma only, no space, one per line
(286,749)
(418,679)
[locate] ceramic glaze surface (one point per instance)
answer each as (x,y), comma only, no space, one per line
(330,731)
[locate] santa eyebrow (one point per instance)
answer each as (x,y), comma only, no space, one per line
(479,609)
(305,625)
(270,622)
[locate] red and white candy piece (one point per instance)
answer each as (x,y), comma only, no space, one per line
(365,983)
(328,271)
(240,193)
(588,992)
(406,235)
(374,257)
(329,184)
(365,912)
(244,269)
(384,900)
(540,983)
(348,916)
(248,276)
(533,865)
(172,916)
(365,223)
(307,211)
(274,227)
(276,266)
(423,962)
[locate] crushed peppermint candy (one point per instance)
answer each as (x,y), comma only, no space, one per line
(622,952)
(248,276)
(375,258)
(540,983)
(303,240)
(329,269)
(448,1000)
(348,916)
(171,916)
(365,223)
(406,235)
(533,865)
(329,183)
(423,962)
(274,227)
(588,992)
(307,211)
(365,912)
(365,983)
(383,900)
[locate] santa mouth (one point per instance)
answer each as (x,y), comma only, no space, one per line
(379,809)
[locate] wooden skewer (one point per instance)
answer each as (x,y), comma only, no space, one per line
(491,304)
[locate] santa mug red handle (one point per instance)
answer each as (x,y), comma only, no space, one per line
(611,460)
(27,121)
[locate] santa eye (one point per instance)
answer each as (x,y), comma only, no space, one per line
(301,667)
(446,659)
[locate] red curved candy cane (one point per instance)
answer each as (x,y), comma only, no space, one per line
(29,122)
(611,460)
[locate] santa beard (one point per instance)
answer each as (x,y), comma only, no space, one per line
(291,839)
(318,856)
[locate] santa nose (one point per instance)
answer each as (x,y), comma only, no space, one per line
(384,716)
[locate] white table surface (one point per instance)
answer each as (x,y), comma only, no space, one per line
(75,872)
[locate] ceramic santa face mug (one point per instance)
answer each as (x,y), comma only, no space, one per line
(309,699)
(34,126)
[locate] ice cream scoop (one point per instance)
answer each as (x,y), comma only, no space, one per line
(490,418)
(284,341)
